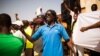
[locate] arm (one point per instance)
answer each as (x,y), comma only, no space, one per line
(67,7)
(16,15)
(68,40)
(96,25)
(27,36)
(71,45)
(34,37)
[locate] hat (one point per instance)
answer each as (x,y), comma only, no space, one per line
(39,11)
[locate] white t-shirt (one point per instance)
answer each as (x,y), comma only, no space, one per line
(19,34)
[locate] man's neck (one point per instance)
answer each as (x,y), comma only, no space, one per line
(51,23)
(5,30)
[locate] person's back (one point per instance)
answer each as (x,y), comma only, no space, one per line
(9,44)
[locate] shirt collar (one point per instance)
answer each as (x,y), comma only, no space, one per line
(51,25)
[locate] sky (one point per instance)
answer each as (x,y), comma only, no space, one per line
(26,8)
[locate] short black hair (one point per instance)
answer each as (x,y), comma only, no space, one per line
(5,20)
(94,7)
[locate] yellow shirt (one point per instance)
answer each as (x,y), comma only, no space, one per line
(28,31)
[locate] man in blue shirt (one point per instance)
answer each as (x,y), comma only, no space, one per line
(51,34)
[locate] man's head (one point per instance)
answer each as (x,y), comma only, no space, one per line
(51,16)
(5,23)
(94,7)
(5,20)
(16,14)
(25,23)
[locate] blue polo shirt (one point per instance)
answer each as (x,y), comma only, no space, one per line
(51,36)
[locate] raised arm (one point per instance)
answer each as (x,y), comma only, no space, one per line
(67,7)
(16,15)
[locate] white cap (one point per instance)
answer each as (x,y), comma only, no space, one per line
(39,11)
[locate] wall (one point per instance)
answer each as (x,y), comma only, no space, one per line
(86,4)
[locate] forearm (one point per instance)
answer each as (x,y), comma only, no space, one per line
(28,37)
(70,45)
(67,7)
(96,25)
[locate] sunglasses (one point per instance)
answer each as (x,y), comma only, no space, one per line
(48,14)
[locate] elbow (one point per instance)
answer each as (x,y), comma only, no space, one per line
(99,24)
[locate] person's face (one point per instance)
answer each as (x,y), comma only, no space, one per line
(49,16)
(26,23)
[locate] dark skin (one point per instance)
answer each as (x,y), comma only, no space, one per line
(5,23)
(4,30)
(50,21)
(96,25)
(26,23)
(16,15)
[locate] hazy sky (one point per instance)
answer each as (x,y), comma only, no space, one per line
(26,8)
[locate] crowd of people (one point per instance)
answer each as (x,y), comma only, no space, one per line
(45,34)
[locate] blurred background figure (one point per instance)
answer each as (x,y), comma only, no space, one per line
(16,16)
(39,11)
(94,7)
(29,46)
(65,12)
(69,13)
(38,44)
